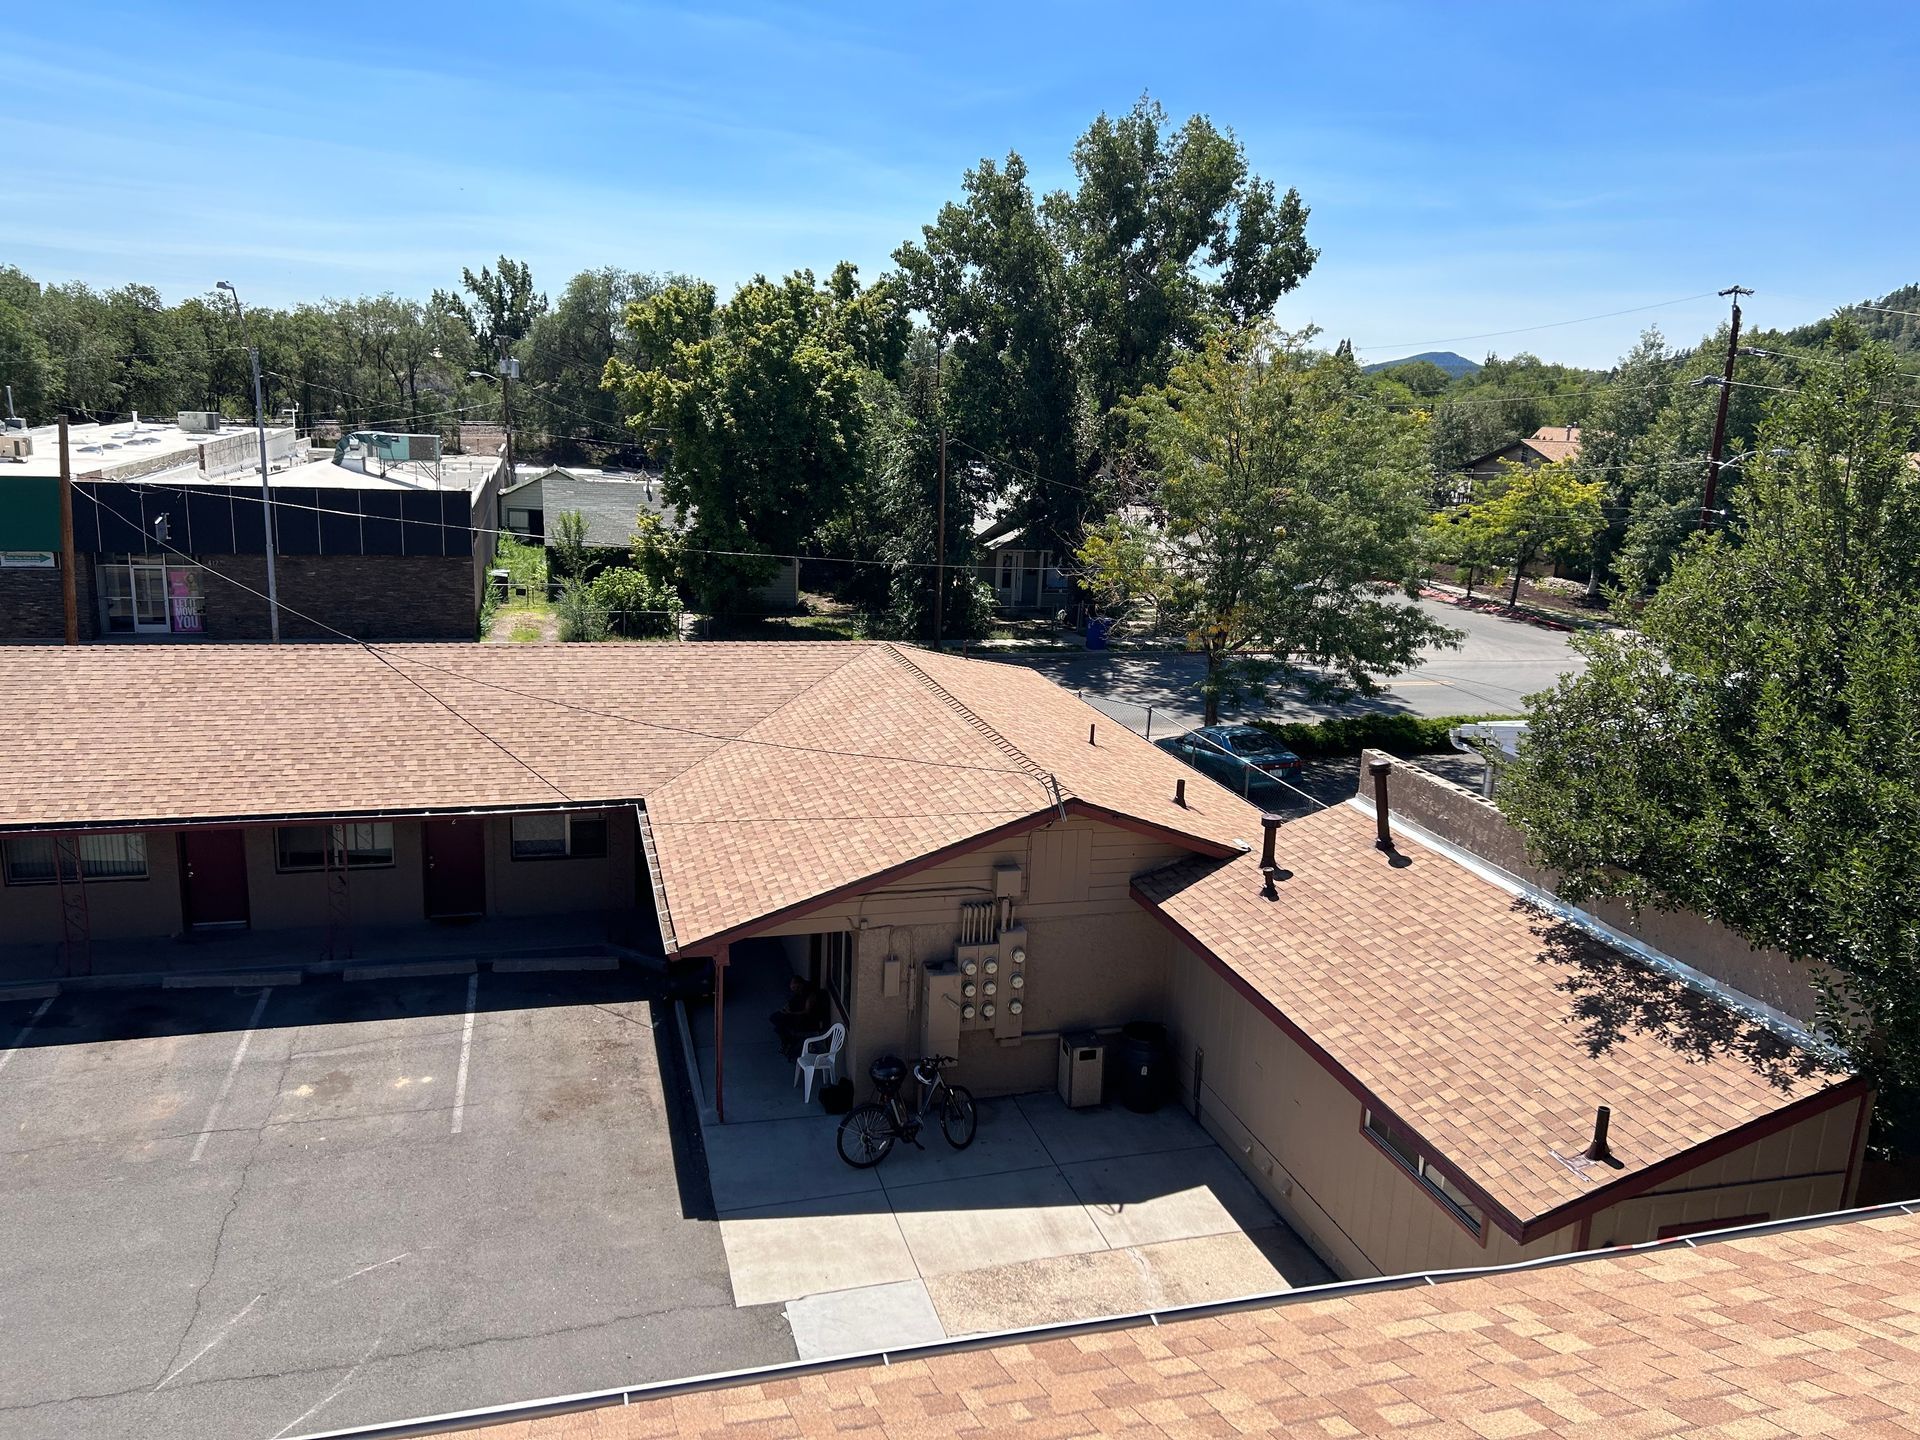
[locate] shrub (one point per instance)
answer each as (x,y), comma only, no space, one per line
(1350,734)
(634,605)
(581,617)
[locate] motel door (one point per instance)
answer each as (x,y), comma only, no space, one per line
(456,868)
(213,870)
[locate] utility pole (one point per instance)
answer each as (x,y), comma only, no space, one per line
(940,525)
(1720,418)
(69,582)
(509,368)
(266,485)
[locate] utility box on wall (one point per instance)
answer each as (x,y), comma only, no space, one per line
(940,1009)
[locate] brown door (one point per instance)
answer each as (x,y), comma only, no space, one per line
(213,870)
(456,866)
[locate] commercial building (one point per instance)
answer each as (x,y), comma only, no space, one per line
(1421,1059)
(386,538)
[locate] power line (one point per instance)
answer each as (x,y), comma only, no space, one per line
(332,630)
(375,649)
(1529,329)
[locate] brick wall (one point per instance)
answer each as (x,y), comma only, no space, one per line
(31,607)
(371,597)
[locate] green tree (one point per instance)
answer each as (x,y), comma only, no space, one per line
(1294,510)
(758,404)
(500,307)
(567,545)
(1749,751)
(565,357)
(634,605)
(1534,510)
(26,365)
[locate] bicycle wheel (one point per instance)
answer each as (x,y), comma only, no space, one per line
(866,1135)
(958,1119)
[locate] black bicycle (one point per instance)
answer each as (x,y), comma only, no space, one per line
(867,1134)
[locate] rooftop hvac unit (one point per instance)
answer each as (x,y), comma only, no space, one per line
(15,446)
(200,422)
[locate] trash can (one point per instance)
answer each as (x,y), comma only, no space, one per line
(1145,1066)
(1097,628)
(1082,1071)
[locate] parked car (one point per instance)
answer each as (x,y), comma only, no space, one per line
(1241,757)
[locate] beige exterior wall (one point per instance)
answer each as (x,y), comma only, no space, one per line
(1095,958)
(117,909)
(1296,1131)
(1805,1169)
(1453,814)
(387,895)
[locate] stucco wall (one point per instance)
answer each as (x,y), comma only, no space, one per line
(387,895)
(116,909)
(1095,959)
(1463,818)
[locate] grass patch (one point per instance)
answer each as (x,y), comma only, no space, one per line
(1350,734)
(524,633)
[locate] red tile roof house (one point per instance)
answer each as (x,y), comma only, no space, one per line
(1406,1050)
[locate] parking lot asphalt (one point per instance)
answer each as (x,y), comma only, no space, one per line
(246,1214)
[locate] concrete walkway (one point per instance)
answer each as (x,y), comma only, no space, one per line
(1051,1214)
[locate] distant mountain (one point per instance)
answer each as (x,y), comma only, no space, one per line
(1454,365)
(1894,318)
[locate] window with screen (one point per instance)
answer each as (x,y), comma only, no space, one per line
(357,847)
(559,837)
(32,860)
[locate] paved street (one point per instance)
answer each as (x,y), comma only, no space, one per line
(235,1215)
(1500,661)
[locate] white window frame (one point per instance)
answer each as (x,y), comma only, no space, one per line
(132,846)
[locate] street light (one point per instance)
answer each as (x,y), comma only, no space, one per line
(266,486)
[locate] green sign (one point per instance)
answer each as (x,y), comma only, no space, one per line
(29,512)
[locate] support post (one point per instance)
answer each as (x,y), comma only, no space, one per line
(76,919)
(720,1035)
(69,580)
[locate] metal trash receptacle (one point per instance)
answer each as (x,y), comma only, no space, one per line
(1083,1066)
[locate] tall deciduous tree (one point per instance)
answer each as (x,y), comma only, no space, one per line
(1055,309)
(758,404)
(1293,510)
(1749,752)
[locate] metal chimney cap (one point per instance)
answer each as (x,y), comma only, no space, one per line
(1379,767)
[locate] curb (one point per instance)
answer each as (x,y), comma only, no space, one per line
(403,970)
(220,979)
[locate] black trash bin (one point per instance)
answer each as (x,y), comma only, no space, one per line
(1146,1066)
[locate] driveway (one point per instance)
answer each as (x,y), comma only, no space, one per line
(1499,663)
(235,1215)
(1051,1214)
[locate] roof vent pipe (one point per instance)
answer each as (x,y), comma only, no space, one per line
(1180,793)
(1382,817)
(1090,739)
(1270,825)
(1598,1149)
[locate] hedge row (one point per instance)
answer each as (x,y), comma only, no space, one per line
(1350,734)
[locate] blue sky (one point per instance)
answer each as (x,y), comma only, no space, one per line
(1471,167)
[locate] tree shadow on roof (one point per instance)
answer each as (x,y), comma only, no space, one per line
(1615,995)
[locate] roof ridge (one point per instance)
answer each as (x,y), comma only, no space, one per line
(993,737)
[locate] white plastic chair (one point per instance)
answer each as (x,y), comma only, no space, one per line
(812,1061)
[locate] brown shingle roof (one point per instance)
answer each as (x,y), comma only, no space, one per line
(774,774)
(1814,1331)
(1487,1026)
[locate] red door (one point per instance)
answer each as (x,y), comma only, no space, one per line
(213,870)
(456,868)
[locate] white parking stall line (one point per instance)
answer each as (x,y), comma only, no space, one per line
(26,1030)
(466,1053)
(233,1069)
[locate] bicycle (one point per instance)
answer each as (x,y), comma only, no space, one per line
(866,1136)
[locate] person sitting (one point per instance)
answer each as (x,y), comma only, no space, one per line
(801,1018)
